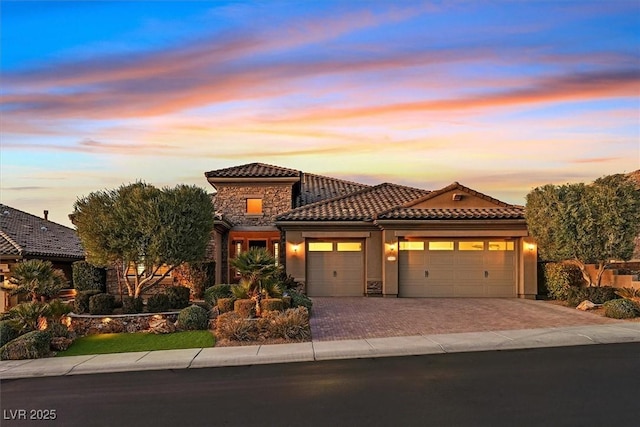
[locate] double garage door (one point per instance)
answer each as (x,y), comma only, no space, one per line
(335,268)
(457,268)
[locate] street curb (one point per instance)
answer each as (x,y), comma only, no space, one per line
(322,350)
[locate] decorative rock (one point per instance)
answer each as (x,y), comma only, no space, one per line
(161,326)
(586,305)
(60,343)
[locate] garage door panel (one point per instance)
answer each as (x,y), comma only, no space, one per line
(472,269)
(335,273)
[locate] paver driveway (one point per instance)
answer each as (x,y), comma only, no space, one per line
(343,318)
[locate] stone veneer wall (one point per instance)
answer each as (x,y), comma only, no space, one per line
(89,325)
(232,201)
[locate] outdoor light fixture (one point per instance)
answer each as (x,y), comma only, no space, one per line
(295,248)
(531,247)
(391,251)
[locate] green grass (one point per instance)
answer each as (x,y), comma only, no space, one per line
(140,341)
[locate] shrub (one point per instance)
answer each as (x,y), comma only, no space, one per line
(300,300)
(559,278)
(32,345)
(271,304)
(81,303)
(131,305)
(271,289)
(59,308)
(178,296)
(101,304)
(7,332)
(286,302)
(88,277)
(28,316)
(241,290)
(225,305)
(57,329)
(158,303)
(286,281)
(197,276)
(621,309)
(595,294)
(36,278)
(293,324)
(193,318)
(245,308)
(232,326)
(212,294)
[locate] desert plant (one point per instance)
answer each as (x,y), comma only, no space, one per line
(81,302)
(32,345)
(225,304)
(232,326)
(29,316)
(7,332)
(178,296)
(59,308)
(36,278)
(101,304)
(87,277)
(293,324)
(271,289)
(621,309)
(131,305)
(245,307)
(300,300)
(214,292)
(629,293)
(158,303)
(285,280)
(193,318)
(256,266)
(271,304)
(286,302)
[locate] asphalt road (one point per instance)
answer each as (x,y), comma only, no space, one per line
(593,385)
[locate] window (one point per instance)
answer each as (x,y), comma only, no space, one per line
(412,246)
(501,246)
(440,246)
(254,206)
(471,246)
(253,244)
(320,246)
(349,247)
(238,245)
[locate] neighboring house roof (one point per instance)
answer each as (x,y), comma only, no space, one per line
(363,205)
(317,187)
(514,212)
(23,234)
(253,170)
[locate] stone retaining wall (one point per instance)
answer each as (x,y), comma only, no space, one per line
(84,324)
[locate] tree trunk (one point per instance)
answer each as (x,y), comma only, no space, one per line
(583,269)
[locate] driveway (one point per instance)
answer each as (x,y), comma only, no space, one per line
(343,318)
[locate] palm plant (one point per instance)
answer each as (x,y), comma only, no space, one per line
(37,278)
(257,267)
(29,316)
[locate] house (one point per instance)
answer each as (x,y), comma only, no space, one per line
(24,236)
(341,238)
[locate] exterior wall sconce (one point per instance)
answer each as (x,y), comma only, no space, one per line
(391,251)
(530,247)
(295,248)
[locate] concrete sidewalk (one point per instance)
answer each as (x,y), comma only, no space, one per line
(323,350)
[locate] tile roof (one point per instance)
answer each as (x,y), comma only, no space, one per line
(24,234)
(514,212)
(317,187)
(254,170)
(363,205)
(458,186)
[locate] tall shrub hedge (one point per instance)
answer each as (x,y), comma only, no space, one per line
(559,278)
(87,277)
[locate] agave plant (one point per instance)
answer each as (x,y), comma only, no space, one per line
(629,293)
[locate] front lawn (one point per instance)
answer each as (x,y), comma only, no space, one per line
(140,341)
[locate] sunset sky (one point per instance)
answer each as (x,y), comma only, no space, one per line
(500,96)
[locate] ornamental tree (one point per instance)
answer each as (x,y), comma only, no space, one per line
(586,224)
(144,232)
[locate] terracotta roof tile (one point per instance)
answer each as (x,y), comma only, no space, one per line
(317,187)
(25,234)
(253,170)
(513,212)
(362,205)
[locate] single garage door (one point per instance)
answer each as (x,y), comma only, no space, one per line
(335,268)
(457,268)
